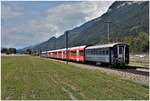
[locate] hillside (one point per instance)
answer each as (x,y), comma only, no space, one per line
(129,24)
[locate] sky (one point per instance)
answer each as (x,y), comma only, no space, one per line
(25,23)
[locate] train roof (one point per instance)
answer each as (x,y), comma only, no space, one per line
(69,48)
(78,47)
(57,50)
(104,45)
(44,52)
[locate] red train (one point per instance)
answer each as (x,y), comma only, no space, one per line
(74,54)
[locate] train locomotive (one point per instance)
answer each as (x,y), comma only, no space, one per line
(114,54)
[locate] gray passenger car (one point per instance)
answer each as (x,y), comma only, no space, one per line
(116,54)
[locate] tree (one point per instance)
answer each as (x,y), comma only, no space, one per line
(28,51)
(144,41)
(139,43)
(8,50)
(12,50)
(4,50)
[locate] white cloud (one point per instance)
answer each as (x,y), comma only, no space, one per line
(95,9)
(67,16)
(9,12)
(55,21)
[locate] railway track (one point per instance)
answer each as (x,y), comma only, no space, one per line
(140,71)
(130,69)
(133,73)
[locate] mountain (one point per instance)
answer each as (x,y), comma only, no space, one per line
(129,20)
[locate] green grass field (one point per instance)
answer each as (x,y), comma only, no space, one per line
(27,77)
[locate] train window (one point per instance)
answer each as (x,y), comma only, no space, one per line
(91,52)
(103,52)
(95,51)
(64,52)
(81,53)
(73,52)
(121,50)
(88,51)
(100,52)
(106,52)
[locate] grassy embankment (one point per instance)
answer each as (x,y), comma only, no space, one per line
(27,77)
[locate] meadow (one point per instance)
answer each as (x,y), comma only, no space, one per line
(28,77)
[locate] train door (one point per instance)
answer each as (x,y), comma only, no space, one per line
(127,54)
(61,54)
(111,54)
(77,55)
(121,52)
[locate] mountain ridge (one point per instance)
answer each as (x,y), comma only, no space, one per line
(129,18)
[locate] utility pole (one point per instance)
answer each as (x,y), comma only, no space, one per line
(67,47)
(47,49)
(108,29)
(55,44)
(40,52)
(47,46)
